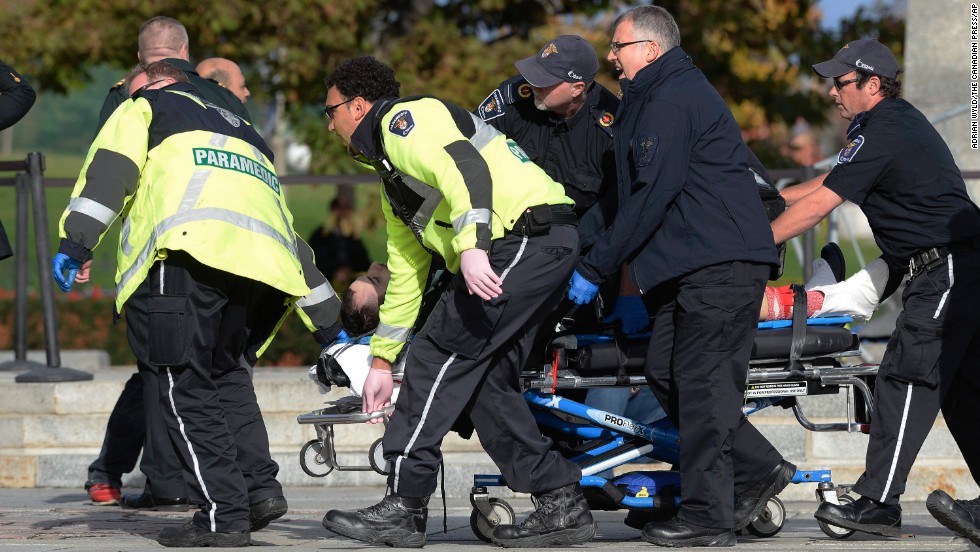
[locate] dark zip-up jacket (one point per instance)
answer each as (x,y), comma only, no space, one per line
(687,199)
(210,90)
(16,96)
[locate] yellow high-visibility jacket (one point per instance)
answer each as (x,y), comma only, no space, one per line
(450,182)
(185,175)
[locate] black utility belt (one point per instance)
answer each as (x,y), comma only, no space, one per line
(537,220)
(927,258)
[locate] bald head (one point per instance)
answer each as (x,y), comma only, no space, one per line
(227,73)
(163,37)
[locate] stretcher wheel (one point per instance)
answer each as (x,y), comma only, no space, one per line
(312,461)
(770,521)
(501,513)
(834,531)
(377,458)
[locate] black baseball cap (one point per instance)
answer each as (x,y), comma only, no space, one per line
(567,58)
(865,54)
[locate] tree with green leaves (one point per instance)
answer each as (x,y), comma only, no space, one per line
(756,52)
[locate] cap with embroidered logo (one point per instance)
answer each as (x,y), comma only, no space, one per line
(865,54)
(567,58)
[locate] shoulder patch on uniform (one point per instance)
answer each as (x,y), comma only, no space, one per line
(522,90)
(493,106)
(851,149)
(402,123)
(645,148)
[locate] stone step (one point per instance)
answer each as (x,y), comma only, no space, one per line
(86,360)
(66,468)
(49,433)
(278,390)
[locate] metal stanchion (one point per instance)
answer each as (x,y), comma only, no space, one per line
(809,237)
(54,372)
(20,361)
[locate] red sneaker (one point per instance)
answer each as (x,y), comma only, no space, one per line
(103,494)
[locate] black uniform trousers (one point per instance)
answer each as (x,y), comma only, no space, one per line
(704,324)
(930,364)
(467,359)
(200,321)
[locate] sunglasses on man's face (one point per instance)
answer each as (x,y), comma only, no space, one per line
(838,84)
(331,109)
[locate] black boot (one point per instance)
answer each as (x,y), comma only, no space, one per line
(397,521)
(191,535)
(265,512)
(678,533)
(752,502)
(865,515)
(960,516)
(561,518)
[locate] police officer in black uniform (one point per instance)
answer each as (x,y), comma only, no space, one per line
(897,168)
(560,117)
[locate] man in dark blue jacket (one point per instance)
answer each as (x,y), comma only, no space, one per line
(696,237)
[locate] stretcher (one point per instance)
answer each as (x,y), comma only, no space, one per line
(790,359)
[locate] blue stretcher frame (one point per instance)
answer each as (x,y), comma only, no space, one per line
(660,439)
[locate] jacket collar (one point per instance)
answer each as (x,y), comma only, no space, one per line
(861,119)
(366,139)
(671,62)
(181,64)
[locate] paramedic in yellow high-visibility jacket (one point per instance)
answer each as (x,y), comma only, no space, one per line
(208,266)
(458,192)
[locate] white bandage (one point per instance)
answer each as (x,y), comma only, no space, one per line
(856,296)
(823,275)
(355,361)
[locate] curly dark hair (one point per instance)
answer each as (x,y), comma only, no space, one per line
(890,88)
(365,77)
(359,319)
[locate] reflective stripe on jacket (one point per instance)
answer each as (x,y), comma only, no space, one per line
(450,182)
(184,174)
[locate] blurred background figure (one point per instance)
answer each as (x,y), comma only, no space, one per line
(337,245)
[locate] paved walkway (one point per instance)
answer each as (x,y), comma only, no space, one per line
(56,519)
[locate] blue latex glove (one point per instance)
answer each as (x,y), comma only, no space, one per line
(581,291)
(342,337)
(631,313)
(60,264)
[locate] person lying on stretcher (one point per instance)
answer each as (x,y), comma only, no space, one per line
(857,296)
